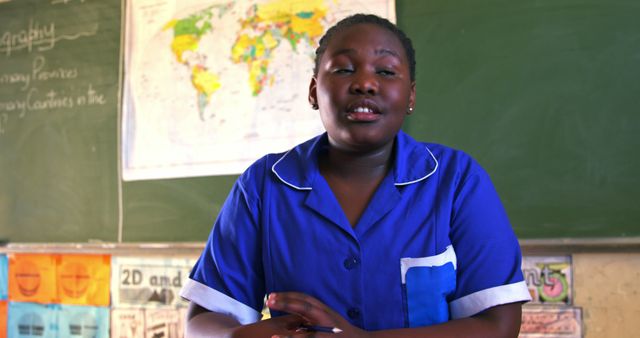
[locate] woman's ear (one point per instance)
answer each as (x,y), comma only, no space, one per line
(412,97)
(313,95)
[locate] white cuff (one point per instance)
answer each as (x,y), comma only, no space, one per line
(216,301)
(478,301)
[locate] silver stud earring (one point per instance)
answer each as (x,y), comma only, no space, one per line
(314,106)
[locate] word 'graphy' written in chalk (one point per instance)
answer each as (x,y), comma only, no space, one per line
(44,37)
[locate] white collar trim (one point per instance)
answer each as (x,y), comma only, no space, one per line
(427,175)
(273,169)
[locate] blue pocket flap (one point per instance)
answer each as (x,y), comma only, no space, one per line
(427,289)
(427,282)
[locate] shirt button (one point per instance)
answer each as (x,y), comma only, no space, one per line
(350,263)
(353,313)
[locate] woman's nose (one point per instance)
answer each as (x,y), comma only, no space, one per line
(364,84)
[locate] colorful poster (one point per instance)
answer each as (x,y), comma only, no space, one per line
(4,277)
(32,278)
(166,323)
(127,323)
(84,279)
(4,308)
(549,279)
(28,320)
(551,322)
(55,278)
(149,282)
(83,321)
(211,86)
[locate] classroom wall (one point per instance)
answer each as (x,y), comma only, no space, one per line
(607,287)
(594,92)
(544,94)
(605,277)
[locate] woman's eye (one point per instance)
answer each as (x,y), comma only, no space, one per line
(343,71)
(385,72)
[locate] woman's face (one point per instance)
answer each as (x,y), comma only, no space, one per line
(363,88)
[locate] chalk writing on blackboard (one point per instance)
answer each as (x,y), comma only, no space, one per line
(42,36)
(64,2)
(36,99)
(38,72)
(4,118)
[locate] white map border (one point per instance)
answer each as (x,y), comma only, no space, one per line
(151,151)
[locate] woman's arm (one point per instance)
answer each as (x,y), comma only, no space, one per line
(502,321)
(204,323)
(496,322)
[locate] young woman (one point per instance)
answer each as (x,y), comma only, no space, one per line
(362,230)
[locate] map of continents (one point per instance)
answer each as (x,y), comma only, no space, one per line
(263,29)
(212,85)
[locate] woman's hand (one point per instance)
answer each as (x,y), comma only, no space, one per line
(313,312)
(277,326)
(203,323)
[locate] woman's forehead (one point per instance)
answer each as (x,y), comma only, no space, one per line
(366,36)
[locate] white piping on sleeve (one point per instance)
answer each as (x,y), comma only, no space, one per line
(216,301)
(479,301)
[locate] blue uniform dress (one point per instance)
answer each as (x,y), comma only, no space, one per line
(433,244)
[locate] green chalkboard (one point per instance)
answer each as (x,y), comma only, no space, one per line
(546,96)
(59,88)
(173,209)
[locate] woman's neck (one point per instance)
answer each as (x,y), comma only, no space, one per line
(355,176)
(346,164)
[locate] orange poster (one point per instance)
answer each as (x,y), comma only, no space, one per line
(84,279)
(32,278)
(3,318)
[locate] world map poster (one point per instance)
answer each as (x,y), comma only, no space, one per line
(211,86)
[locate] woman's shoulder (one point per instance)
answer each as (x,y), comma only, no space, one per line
(454,160)
(448,153)
(260,168)
(440,151)
(292,163)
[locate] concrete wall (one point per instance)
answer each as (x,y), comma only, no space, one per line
(607,287)
(606,281)
(606,275)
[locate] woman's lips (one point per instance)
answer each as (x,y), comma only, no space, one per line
(363,114)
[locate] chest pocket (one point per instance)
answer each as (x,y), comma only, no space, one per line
(426,284)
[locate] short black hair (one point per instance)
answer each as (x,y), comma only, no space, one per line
(367,19)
